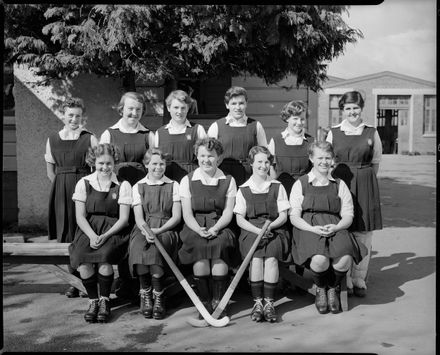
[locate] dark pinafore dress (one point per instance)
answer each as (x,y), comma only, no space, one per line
(70,167)
(132,147)
(102,212)
(236,142)
(259,208)
(321,206)
(207,204)
(180,147)
(292,160)
(353,155)
(157,203)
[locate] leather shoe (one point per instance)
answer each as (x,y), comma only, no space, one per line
(350,291)
(72,292)
(321,300)
(333,300)
(359,292)
(104,310)
(257,311)
(91,315)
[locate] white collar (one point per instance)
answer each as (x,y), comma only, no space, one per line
(139,127)
(312,176)
(348,127)
(253,186)
(172,124)
(286,133)
(93,177)
(163,180)
(200,175)
(242,120)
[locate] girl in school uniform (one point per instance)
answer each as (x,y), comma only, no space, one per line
(102,207)
(156,202)
(260,198)
(208,197)
(358,151)
(290,147)
(238,134)
(321,212)
(133,141)
(66,164)
(177,138)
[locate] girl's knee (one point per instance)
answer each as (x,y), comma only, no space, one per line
(105,269)
(156,271)
(201,267)
(343,263)
(86,270)
(319,263)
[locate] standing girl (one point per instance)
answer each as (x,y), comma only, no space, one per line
(156,202)
(208,197)
(260,198)
(290,148)
(133,141)
(177,138)
(66,164)
(238,134)
(358,151)
(322,211)
(102,207)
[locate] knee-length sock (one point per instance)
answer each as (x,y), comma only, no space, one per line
(91,286)
(257,289)
(337,278)
(320,278)
(145,281)
(202,283)
(157,283)
(105,284)
(269,290)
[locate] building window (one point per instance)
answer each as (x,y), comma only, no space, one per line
(335,115)
(429,114)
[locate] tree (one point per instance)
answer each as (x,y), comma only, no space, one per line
(165,42)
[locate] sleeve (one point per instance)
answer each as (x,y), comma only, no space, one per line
(156,139)
(282,200)
(271,146)
(213,130)
(201,133)
(136,195)
(232,189)
(176,195)
(93,141)
(240,204)
(296,198)
(329,137)
(261,135)
(377,149)
(48,155)
(125,194)
(184,187)
(344,194)
(105,137)
(151,139)
(80,193)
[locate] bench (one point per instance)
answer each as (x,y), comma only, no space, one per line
(288,273)
(50,255)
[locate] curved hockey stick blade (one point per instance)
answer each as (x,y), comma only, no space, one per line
(186,286)
(200,323)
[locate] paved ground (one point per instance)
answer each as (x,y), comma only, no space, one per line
(396,317)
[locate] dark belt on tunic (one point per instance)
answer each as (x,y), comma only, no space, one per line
(70,170)
(355,165)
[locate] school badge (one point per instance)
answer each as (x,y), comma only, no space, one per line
(370,142)
(188,137)
(114,196)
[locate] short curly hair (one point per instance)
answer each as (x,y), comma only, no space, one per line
(210,144)
(324,145)
(132,95)
(155,151)
(235,91)
(73,102)
(102,149)
(293,108)
(179,95)
(259,149)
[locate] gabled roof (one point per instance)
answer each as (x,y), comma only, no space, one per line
(346,82)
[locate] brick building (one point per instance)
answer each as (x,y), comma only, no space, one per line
(403,109)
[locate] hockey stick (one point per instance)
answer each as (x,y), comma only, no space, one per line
(192,295)
(200,323)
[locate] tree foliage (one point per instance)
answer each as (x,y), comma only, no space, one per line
(157,42)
